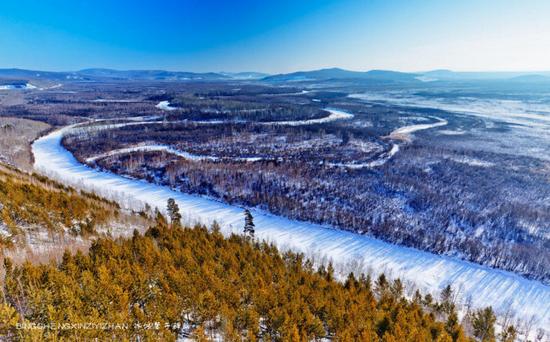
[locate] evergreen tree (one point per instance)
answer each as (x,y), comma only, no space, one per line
(446,300)
(483,322)
(453,328)
(330,272)
(174,212)
(417,298)
(509,334)
(248,223)
(428,300)
(446,294)
(397,289)
(381,285)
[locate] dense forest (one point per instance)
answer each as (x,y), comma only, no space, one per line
(444,200)
(32,204)
(178,281)
(39,217)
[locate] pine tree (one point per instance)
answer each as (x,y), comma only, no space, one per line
(428,300)
(452,326)
(483,322)
(509,334)
(174,212)
(397,289)
(446,300)
(329,276)
(381,285)
(248,223)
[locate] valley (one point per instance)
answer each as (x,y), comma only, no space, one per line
(429,194)
(275,171)
(348,252)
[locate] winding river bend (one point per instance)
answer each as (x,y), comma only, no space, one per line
(348,251)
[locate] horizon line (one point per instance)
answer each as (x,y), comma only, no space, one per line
(283,73)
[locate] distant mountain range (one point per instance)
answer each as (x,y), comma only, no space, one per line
(99,74)
(150,75)
(485,75)
(22,74)
(394,76)
(342,74)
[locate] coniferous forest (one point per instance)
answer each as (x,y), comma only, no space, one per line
(176,281)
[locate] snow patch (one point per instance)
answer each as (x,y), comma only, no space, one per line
(334,115)
(26,86)
(451,132)
(165,105)
(426,79)
(115,101)
(472,161)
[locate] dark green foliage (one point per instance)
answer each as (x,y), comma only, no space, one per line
(248,224)
(483,323)
(173,212)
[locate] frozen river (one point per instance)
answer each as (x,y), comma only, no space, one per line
(348,251)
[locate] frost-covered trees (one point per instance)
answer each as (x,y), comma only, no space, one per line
(304,191)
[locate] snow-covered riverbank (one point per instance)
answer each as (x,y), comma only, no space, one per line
(167,149)
(406,131)
(348,251)
(334,115)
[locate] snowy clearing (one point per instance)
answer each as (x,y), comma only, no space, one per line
(116,100)
(451,132)
(348,251)
(165,105)
(384,157)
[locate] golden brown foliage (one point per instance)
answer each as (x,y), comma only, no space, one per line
(35,201)
(178,280)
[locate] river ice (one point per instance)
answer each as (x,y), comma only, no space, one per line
(348,251)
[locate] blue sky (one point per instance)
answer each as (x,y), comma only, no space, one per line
(276,36)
